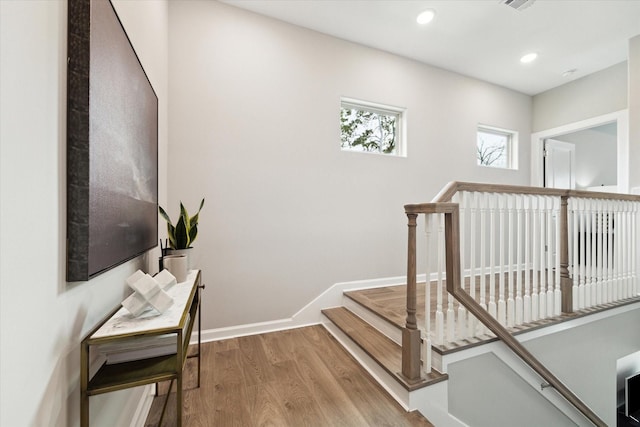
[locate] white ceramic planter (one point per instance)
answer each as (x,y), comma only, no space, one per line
(188,252)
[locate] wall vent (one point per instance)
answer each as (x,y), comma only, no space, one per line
(518,4)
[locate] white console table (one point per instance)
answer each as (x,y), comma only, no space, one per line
(120,327)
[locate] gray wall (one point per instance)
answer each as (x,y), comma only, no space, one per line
(254,128)
(596,155)
(486,392)
(585,358)
(590,96)
(634,114)
(43,318)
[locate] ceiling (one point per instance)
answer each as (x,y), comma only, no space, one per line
(479,38)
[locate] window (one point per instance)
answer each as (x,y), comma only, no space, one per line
(496,147)
(371,128)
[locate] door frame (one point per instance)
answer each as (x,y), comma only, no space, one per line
(620,117)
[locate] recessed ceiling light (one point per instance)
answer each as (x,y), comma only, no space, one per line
(426,17)
(529,57)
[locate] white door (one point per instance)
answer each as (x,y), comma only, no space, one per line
(559,164)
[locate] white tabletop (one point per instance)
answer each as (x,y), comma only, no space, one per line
(122,322)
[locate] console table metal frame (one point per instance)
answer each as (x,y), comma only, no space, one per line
(152,370)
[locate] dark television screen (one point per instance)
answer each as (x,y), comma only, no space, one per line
(632,395)
(112,145)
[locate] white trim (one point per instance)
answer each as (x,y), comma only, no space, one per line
(620,117)
(381,109)
(308,315)
(139,418)
(512,145)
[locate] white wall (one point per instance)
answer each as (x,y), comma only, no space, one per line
(594,95)
(43,318)
(634,113)
(254,128)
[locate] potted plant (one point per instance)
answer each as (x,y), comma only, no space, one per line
(183,233)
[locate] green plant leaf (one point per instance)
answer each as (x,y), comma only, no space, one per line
(181,235)
(193,233)
(171,232)
(194,219)
(164,214)
(185,216)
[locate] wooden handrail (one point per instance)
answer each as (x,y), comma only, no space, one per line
(454,187)
(453,274)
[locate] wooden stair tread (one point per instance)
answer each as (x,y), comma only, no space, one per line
(379,347)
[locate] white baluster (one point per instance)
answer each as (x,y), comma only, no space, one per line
(542,300)
(473,227)
(535,286)
(491,203)
(575,270)
(557,295)
(623,240)
(594,251)
(461,322)
(483,201)
(606,221)
(426,339)
(617,252)
(599,250)
(635,290)
(519,244)
(610,249)
(594,247)
(526,301)
(587,249)
(549,251)
(511,302)
(440,270)
(626,252)
(583,253)
(502,306)
(550,262)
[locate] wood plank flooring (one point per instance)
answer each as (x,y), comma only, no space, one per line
(299,377)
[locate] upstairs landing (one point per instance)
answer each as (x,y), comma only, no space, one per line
(389,303)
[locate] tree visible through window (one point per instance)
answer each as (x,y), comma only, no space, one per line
(369,129)
(494,147)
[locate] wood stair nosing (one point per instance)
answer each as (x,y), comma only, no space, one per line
(379,347)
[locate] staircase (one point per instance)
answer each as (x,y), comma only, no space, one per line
(368,324)
(505,259)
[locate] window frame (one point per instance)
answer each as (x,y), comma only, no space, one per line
(511,146)
(381,109)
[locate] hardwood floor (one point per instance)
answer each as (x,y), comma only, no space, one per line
(299,377)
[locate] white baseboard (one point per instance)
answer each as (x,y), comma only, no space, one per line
(144,406)
(308,315)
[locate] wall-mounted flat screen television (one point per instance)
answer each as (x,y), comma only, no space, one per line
(632,396)
(112,144)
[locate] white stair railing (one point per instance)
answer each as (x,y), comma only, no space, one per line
(511,263)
